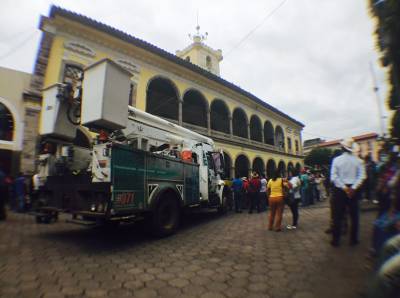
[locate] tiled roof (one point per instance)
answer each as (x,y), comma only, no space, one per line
(55,10)
(366,136)
(371,135)
(330,143)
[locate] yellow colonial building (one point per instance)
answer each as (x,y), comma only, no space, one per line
(13,112)
(184,88)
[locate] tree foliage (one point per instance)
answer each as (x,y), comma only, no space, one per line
(387,14)
(318,156)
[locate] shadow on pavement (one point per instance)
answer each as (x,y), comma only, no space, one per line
(127,236)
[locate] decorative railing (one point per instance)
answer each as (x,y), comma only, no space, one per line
(220,134)
(196,128)
(214,134)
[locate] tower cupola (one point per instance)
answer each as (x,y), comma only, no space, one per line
(200,54)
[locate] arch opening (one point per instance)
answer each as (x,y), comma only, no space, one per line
(258,166)
(194,108)
(298,167)
(162,99)
(239,123)
(282,168)
(269,133)
(242,166)
(7,124)
(227,166)
(279,137)
(255,129)
(219,116)
(271,168)
(291,168)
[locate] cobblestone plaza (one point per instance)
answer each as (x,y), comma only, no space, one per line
(210,256)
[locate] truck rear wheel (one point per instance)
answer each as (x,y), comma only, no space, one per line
(166,216)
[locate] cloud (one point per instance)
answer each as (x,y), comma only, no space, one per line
(310,59)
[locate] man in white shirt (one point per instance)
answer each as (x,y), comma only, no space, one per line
(263,193)
(347,175)
(36,184)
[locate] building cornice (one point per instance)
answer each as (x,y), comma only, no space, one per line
(161,54)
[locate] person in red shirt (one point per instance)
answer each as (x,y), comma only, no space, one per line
(254,190)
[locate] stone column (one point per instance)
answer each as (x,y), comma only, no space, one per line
(232,172)
(209,121)
(180,111)
(32,102)
(262,136)
(248,131)
(230,126)
(31,123)
(300,143)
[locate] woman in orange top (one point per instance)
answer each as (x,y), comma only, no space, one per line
(276,201)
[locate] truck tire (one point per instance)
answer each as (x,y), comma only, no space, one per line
(46,219)
(166,215)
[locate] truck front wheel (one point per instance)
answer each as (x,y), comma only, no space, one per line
(166,216)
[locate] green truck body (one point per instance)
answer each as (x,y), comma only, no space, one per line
(143,185)
(139,177)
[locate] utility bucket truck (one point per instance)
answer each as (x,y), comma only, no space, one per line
(139,166)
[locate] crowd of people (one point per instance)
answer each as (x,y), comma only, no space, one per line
(17,192)
(385,247)
(259,193)
(354,179)
(349,181)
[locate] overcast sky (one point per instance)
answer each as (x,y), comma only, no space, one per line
(308,58)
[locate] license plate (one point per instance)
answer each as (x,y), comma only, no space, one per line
(125,198)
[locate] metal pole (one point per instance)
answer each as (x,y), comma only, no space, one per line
(378,100)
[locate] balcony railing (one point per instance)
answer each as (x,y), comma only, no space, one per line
(238,140)
(198,129)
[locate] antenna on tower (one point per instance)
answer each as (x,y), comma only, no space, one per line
(198,37)
(198,27)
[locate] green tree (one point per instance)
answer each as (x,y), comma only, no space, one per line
(318,156)
(387,14)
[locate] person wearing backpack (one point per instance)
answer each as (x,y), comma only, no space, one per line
(254,190)
(305,184)
(295,198)
(275,189)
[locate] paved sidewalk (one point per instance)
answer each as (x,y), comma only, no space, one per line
(211,256)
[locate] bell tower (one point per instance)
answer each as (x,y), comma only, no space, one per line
(200,54)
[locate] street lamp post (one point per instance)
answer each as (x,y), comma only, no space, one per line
(378,101)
